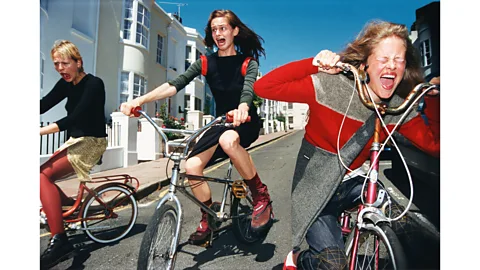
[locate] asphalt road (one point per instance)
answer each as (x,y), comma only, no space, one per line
(275,162)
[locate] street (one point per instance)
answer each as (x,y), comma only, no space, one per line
(275,162)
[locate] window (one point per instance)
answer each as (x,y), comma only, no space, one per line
(136,20)
(188,52)
(159,49)
(186,102)
(138,86)
(124,87)
(290,119)
(198,104)
(426,53)
(290,105)
(143,25)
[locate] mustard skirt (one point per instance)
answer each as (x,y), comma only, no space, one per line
(83,153)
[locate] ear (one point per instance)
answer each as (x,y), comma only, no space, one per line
(235,31)
(362,66)
(79,63)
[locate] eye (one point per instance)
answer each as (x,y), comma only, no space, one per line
(382,60)
(223,28)
(399,60)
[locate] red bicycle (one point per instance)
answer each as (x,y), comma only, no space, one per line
(370,241)
(106,213)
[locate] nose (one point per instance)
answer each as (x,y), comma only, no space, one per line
(391,64)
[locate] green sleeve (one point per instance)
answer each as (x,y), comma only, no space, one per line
(250,78)
(182,80)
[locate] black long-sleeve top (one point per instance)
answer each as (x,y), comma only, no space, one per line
(85,106)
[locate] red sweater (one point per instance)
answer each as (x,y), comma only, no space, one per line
(294,82)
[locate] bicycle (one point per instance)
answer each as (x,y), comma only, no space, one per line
(370,242)
(105,213)
(160,242)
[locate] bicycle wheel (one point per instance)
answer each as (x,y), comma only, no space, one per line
(159,240)
(241,213)
(110,215)
(378,248)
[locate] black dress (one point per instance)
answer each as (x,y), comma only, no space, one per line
(226,82)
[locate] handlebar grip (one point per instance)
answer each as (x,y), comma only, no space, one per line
(229,119)
(135,111)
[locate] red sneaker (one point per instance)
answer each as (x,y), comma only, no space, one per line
(202,234)
(288,263)
(262,210)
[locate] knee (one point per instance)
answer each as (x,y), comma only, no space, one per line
(229,143)
(331,258)
(193,166)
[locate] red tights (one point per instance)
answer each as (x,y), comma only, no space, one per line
(51,195)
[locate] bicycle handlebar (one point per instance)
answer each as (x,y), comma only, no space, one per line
(225,120)
(361,85)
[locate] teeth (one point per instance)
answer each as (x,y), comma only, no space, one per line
(388,76)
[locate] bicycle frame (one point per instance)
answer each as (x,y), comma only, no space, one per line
(125,179)
(177,179)
(368,210)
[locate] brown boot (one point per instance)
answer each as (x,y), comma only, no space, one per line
(202,234)
(262,210)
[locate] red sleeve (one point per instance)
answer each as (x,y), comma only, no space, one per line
(291,82)
(425,137)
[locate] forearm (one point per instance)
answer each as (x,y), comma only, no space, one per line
(52,128)
(163,91)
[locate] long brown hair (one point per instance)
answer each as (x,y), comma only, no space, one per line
(247,41)
(372,34)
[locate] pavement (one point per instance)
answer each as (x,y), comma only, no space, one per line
(152,175)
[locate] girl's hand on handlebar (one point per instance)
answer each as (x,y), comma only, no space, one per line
(326,61)
(434,92)
(239,115)
(127,107)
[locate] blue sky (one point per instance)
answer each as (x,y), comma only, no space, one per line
(294,30)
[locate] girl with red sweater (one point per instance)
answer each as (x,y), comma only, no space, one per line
(319,189)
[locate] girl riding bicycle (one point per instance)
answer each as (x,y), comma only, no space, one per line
(85,126)
(386,53)
(233,93)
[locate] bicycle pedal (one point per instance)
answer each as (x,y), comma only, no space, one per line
(239,189)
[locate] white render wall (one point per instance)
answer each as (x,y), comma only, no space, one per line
(60,21)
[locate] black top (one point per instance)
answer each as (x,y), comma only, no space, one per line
(85,106)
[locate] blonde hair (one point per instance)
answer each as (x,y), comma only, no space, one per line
(372,34)
(67,50)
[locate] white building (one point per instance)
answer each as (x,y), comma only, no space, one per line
(132,45)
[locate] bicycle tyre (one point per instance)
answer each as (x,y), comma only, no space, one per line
(158,240)
(121,204)
(241,213)
(396,256)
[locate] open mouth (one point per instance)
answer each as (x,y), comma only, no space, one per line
(387,81)
(221,42)
(66,76)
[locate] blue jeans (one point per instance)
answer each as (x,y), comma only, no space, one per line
(324,237)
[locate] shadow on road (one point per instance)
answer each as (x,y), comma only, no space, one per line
(225,244)
(85,246)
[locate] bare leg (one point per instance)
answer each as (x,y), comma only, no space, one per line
(195,166)
(262,208)
(230,143)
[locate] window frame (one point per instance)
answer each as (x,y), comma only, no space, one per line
(426,52)
(160,50)
(134,24)
(130,92)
